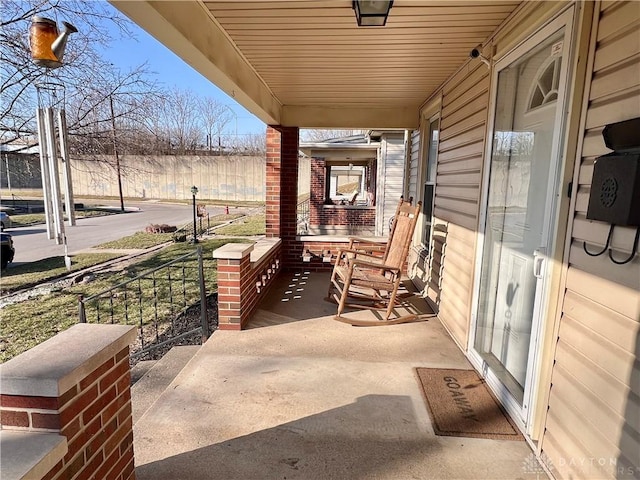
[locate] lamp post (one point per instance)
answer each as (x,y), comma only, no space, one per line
(194,191)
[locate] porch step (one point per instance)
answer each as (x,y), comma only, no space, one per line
(140,369)
(150,386)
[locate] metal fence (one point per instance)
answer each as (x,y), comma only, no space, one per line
(167,303)
(302,211)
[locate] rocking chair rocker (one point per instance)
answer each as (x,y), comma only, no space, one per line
(372,281)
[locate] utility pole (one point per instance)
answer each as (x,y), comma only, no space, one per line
(115,152)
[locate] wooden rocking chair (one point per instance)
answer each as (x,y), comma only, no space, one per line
(372,281)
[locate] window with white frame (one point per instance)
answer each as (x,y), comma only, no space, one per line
(429,176)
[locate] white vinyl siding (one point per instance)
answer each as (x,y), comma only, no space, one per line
(462,130)
(391,177)
(594,403)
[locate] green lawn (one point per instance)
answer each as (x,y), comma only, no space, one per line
(33,273)
(33,321)
(26,219)
(138,240)
(254,225)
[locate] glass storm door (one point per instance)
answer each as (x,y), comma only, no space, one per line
(518,223)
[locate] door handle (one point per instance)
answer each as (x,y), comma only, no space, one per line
(538,261)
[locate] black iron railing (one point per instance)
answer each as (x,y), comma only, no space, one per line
(302,211)
(167,303)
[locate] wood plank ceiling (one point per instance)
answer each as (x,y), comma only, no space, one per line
(313,52)
(306,63)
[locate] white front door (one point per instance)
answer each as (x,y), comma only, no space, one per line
(518,222)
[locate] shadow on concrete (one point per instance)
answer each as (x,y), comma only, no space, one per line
(302,295)
(321,446)
(20,231)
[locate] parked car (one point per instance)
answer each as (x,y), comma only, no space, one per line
(5,220)
(7,251)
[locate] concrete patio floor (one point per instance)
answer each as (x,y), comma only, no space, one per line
(300,396)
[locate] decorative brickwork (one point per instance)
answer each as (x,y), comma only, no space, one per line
(245,274)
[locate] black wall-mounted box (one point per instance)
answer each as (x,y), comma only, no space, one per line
(615,189)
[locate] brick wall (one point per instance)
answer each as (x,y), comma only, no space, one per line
(93,413)
(317,190)
(244,276)
(357,219)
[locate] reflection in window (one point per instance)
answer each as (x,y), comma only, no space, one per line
(350,183)
(546,86)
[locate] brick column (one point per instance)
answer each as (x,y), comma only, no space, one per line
(245,271)
(317,191)
(234,286)
(282,188)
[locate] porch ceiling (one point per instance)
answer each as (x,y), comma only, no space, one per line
(306,63)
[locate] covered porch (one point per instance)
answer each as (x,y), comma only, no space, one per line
(436,70)
(299,395)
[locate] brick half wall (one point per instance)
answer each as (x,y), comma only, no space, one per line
(245,275)
(76,384)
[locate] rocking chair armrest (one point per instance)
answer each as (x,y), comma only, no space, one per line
(358,253)
(356,262)
(373,244)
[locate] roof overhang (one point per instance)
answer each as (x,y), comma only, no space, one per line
(340,151)
(307,63)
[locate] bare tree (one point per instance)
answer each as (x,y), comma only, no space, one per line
(321,135)
(91,118)
(252,144)
(214,116)
(181,120)
(20,75)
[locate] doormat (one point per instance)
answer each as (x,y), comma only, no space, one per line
(460,405)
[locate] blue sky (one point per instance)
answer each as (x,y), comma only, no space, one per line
(170,70)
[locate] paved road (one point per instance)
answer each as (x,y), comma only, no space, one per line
(31,243)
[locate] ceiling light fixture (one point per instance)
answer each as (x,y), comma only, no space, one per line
(372,13)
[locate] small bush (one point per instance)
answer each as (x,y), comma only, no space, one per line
(179,237)
(164,228)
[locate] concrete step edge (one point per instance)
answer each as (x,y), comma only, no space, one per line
(149,388)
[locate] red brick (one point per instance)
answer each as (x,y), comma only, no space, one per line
(67,396)
(49,421)
(229,326)
(129,471)
(54,471)
(76,445)
(17,401)
(14,418)
(97,373)
(90,468)
(96,407)
(124,383)
(71,429)
(113,408)
(122,354)
(79,403)
(119,467)
(124,413)
(126,442)
(118,436)
(73,467)
(110,378)
(107,465)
